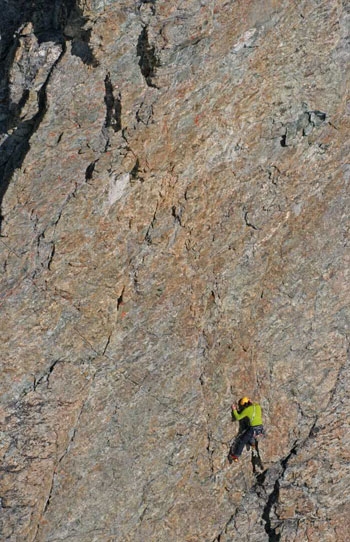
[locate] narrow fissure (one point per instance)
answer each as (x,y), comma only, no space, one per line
(65,452)
(113,106)
(248,223)
(272,500)
(148,238)
(120,298)
(46,375)
(90,170)
(177,213)
(148,60)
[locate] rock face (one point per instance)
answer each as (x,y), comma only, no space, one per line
(174,235)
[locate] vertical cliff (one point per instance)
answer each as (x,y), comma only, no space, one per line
(174,234)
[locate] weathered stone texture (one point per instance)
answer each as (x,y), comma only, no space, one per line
(174,234)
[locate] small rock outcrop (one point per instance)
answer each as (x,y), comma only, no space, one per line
(174,195)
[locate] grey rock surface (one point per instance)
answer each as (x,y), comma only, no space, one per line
(174,235)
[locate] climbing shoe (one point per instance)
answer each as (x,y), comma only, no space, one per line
(233,458)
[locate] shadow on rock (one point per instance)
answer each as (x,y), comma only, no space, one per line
(33,39)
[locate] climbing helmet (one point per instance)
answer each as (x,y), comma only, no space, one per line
(243,401)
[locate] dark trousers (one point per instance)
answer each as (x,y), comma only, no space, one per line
(247,437)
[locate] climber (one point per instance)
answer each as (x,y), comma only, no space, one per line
(251,413)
